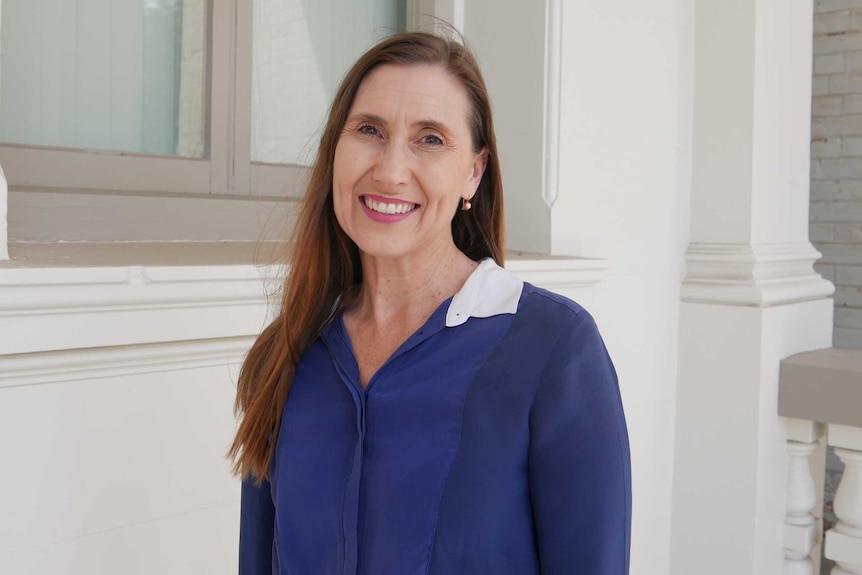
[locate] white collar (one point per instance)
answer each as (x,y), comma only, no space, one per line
(490,290)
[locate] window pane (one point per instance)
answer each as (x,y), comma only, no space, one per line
(104,74)
(301,49)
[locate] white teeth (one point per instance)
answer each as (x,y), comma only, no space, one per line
(385,208)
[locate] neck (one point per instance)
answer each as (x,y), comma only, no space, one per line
(398,290)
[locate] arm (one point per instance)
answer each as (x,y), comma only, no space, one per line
(579,467)
(256,524)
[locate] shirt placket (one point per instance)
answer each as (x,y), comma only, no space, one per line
(347,367)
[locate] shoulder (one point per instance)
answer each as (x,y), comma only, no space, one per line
(566,332)
(550,311)
(554,334)
(550,300)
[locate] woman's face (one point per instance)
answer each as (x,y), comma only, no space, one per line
(404,160)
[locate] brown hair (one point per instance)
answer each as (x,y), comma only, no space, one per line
(324,263)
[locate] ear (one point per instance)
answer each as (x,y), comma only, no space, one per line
(479,163)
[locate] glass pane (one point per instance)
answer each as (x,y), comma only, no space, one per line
(104,74)
(301,49)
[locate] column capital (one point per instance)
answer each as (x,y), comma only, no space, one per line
(758,275)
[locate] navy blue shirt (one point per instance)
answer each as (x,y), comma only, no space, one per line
(493,441)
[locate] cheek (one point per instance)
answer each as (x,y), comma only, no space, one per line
(347,166)
(340,204)
(340,180)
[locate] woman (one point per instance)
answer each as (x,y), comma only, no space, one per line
(416,409)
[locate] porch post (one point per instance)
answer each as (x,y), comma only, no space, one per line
(750,296)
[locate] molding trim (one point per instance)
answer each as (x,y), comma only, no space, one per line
(73,324)
(551,111)
(39,291)
(48,310)
(52,309)
(52,291)
(758,275)
(94,363)
(557,272)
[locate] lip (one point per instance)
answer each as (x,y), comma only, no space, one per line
(385,218)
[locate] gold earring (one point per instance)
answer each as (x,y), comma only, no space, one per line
(465,204)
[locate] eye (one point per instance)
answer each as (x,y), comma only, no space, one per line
(368,130)
(432,140)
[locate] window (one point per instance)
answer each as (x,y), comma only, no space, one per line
(300,51)
(138,107)
(124,76)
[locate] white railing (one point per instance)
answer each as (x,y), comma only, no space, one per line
(821,394)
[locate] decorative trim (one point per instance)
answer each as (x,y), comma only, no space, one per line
(48,310)
(40,291)
(52,309)
(556,272)
(759,275)
(52,291)
(86,364)
(80,320)
(551,112)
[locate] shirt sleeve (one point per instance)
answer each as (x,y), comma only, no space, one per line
(579,462)
(257,516)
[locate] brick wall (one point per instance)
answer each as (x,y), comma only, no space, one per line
(836,181)
(836,159)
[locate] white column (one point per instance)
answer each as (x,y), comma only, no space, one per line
(844,541)
(750,297)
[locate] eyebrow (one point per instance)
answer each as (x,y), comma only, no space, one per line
(373,118)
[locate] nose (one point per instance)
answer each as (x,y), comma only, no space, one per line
(392,168)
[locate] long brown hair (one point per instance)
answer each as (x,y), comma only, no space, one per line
(324,263)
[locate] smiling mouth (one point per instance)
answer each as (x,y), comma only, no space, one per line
(388,207)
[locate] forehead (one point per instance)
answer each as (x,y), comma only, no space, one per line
(419,90)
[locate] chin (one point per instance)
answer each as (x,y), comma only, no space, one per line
(378,251)
(388,244)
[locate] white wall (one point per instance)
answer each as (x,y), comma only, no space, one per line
(118,474)
(116,394)
(624,189)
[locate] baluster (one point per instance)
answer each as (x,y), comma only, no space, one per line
(844,541)
(800,526)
